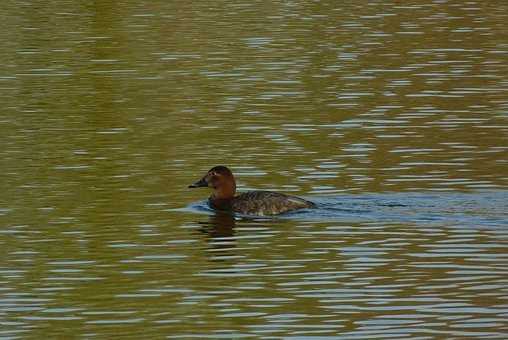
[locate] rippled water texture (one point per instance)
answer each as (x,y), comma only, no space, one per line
(390,115)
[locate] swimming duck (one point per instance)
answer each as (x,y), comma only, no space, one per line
(260,203)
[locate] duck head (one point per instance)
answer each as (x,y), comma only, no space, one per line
(221,179)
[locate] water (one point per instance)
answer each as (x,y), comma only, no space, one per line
(391,117)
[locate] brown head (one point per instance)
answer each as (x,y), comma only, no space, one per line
(219,178)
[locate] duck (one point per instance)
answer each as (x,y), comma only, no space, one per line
(258,203)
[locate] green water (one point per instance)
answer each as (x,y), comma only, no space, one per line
(391,116)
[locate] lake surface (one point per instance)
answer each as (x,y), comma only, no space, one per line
(391,116)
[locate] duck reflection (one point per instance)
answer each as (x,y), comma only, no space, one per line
(219,225)
(220,229)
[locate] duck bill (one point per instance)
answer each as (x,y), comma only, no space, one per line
(199,184)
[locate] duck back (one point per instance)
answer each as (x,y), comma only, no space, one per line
(264,203)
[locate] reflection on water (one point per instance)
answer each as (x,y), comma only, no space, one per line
(220,229)
(391,116)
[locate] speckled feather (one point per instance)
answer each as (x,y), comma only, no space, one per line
(262,203)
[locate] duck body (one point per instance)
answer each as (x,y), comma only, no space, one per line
(259,203)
